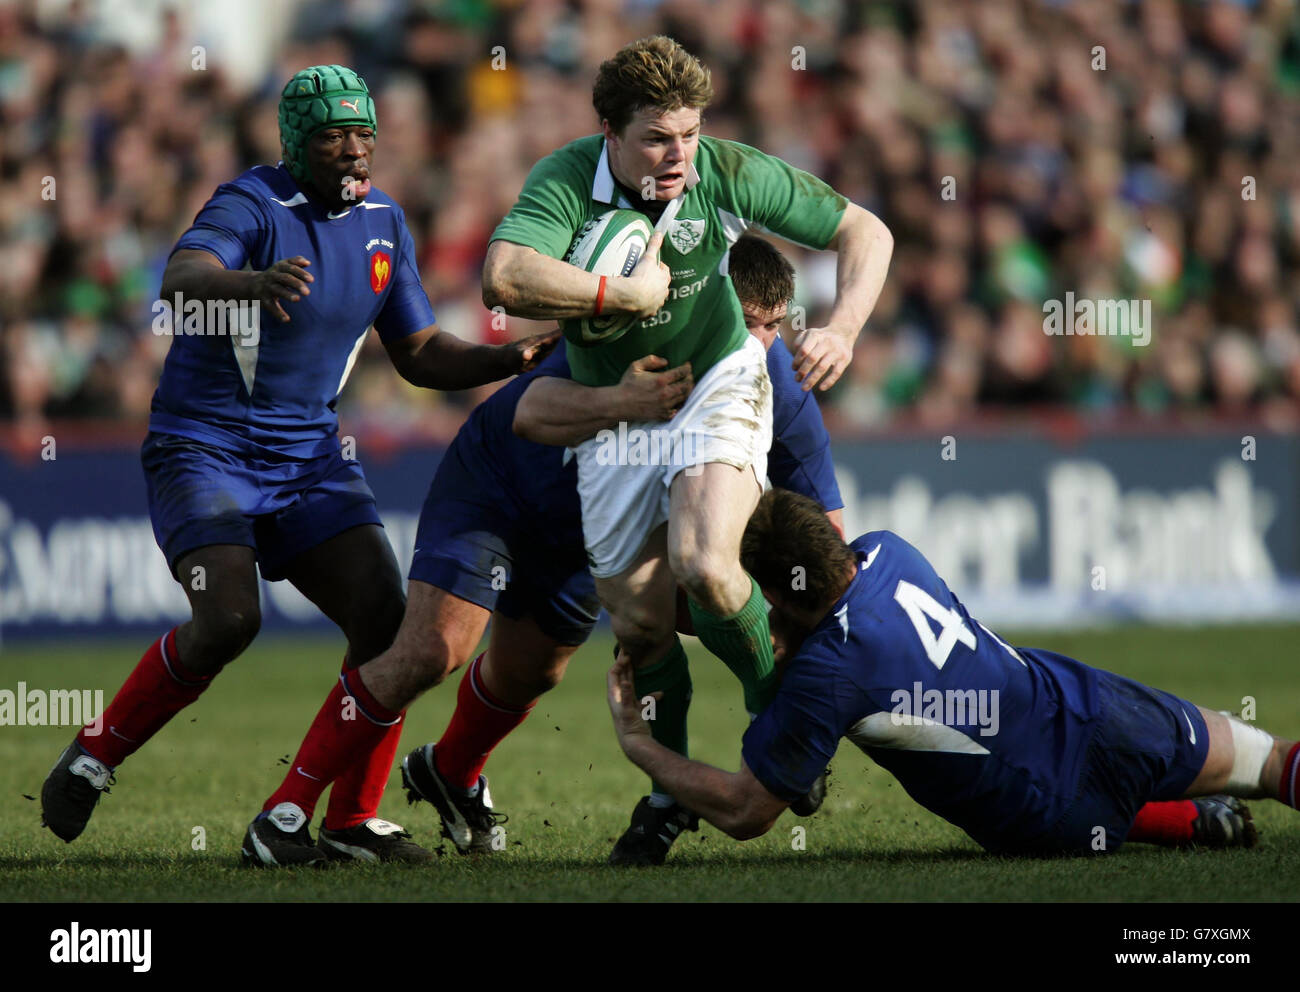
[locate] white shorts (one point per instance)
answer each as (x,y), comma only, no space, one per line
(624,473)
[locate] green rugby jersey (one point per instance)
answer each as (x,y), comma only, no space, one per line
(730,187)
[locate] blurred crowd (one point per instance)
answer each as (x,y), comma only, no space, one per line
(1018,149)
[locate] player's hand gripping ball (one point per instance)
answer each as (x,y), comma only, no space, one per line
(608,245)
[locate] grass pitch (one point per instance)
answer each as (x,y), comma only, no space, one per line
(171,829)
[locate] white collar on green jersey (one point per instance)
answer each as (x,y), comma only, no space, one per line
(603,189)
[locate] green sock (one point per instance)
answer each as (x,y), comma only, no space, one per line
(744,644)
(671,676)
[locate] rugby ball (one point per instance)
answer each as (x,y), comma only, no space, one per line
(608,245)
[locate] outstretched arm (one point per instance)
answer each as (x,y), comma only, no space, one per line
(734,802)
(563,412)
(864,246)
(436,359)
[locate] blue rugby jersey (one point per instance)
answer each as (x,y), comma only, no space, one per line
(990,737)
(280,393)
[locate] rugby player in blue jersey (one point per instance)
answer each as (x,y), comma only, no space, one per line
(243,461)
(500,539)
(1028,751)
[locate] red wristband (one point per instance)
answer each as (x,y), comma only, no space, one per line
(600,296)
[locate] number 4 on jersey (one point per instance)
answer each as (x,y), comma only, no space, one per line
(921,608)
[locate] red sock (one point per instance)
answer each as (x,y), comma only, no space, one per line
(350,722)
(158,689)
(356,793)
(1168,823)
(1289,788)
(480,723)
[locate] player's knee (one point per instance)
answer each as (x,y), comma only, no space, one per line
(539,681)
(221,635)
(374,624)
(429,659)
(548,678)
(641,631)
(703,574)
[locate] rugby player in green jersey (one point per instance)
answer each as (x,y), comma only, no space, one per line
(649,527)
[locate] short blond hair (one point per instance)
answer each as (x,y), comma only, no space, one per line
(653,72)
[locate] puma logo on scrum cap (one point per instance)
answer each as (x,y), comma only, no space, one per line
(351,105)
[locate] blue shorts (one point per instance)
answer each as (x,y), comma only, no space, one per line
(201,495)
(475,543)
(1149,746)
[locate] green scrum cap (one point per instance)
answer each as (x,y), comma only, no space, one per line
(320,97)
